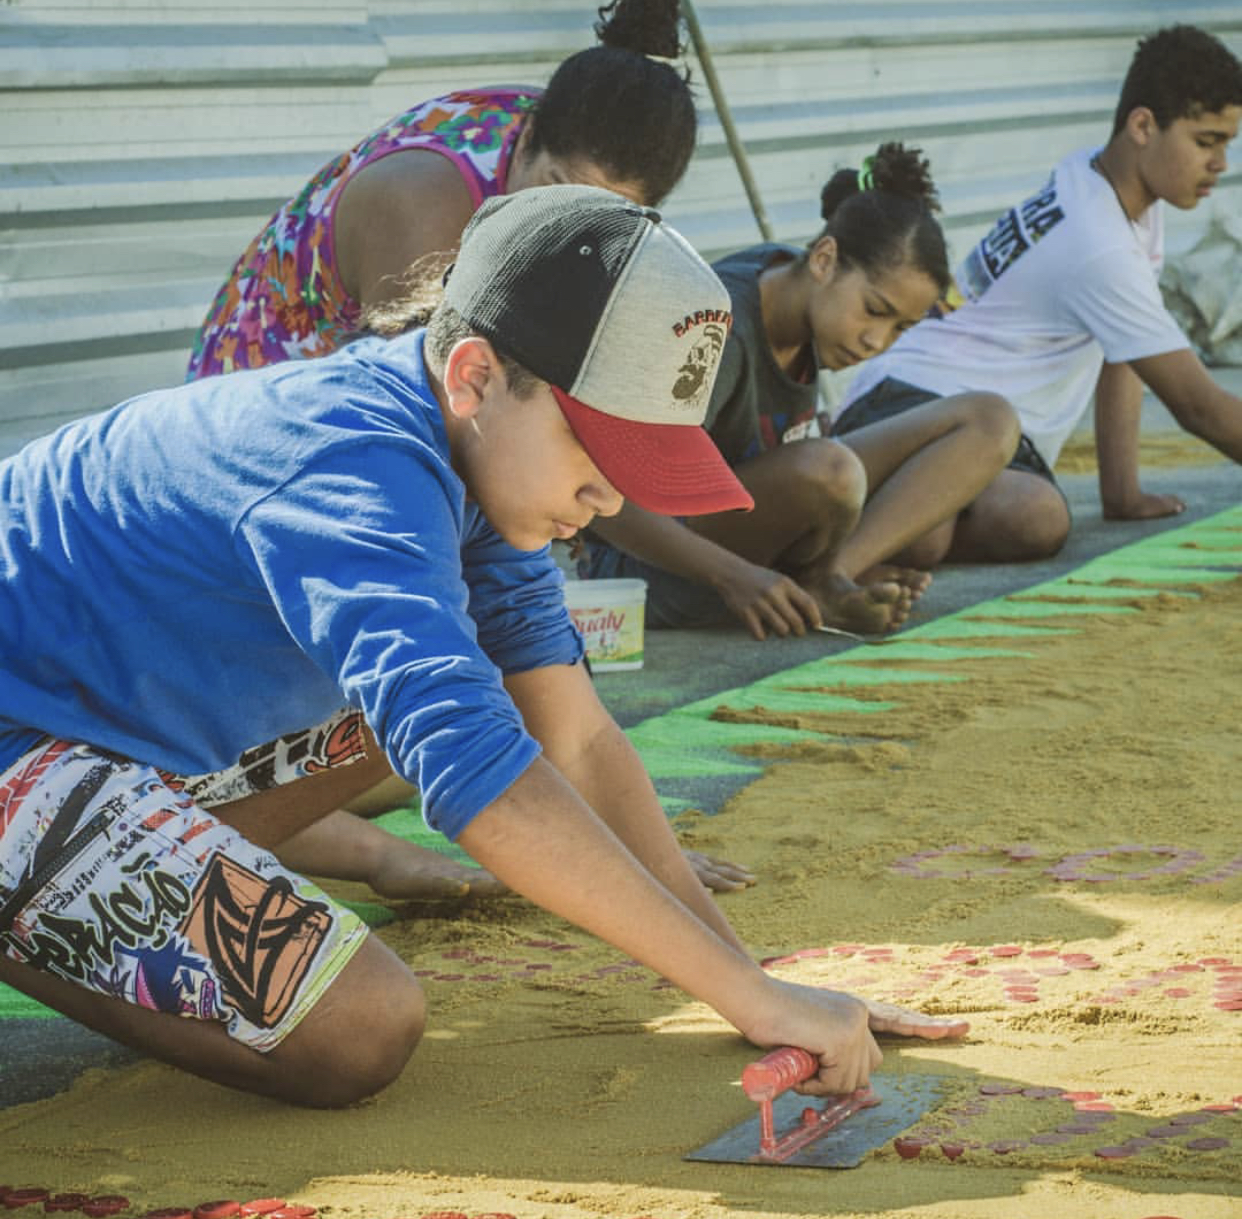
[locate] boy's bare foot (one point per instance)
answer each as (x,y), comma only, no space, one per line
(866,609)
(914,578)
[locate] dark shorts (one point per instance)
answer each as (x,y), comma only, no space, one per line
(892,397)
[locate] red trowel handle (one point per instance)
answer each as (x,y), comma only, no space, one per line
(777,1071)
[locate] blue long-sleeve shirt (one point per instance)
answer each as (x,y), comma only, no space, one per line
(205,568)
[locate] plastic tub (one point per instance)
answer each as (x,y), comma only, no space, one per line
(609,613)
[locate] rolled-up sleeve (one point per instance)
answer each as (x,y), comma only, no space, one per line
(517,602)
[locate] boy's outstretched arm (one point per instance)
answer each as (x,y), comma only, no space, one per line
(544,841)
(1118,403)
(563,712)
(1204,408)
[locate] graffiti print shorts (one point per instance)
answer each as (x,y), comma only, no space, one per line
(113,877)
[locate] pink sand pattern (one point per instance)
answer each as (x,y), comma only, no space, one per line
(1077,866)
(1012,974)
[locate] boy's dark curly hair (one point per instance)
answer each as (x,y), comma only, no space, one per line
(881,216)
(1179,72)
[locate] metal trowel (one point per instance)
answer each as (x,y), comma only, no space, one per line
(812,1133)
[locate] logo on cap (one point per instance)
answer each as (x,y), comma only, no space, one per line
(694,377)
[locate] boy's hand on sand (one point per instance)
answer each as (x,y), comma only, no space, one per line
(411,873)
(719,875)
(1144,507)
(832,1026)
(889,1018)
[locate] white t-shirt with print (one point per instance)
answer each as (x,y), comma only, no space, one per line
(1061,284)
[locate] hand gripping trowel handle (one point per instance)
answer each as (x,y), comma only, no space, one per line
(776,1072)
(780,1070)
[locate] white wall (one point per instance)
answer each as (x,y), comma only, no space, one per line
(144,142)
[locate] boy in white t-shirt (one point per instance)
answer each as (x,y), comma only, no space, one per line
(1062,298)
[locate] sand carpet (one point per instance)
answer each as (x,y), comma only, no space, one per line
(1027,812)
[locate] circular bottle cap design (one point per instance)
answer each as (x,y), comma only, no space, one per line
(908,1149)
(15,1198)
(1115,1153)
(262,1206)
(103,1205)
(222,1208)
(1003,1147)
(1190,1119)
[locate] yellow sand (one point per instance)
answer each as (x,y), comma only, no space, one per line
(1156,449)
(559,1081)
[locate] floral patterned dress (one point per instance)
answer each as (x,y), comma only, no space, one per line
(283,299)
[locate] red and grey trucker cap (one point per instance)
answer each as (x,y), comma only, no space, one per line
(618,313)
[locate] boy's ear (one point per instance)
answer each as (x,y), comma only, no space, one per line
(471,367)
(822,259)
(1141,125)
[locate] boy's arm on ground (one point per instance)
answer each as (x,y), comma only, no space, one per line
(545,843)
(1118,403)
(761,597)
(1204,408)
(562,711)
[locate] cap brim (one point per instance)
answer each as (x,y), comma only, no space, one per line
(672,469)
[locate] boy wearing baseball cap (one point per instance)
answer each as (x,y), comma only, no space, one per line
(361,543)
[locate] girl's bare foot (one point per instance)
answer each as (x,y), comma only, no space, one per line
(914,578)
(866,609)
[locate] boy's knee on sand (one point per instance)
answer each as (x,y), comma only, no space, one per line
(359,1037)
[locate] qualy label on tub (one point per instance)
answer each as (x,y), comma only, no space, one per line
(609,613)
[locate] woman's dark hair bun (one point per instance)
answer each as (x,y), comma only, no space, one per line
(650,27)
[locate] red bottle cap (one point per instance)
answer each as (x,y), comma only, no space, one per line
(908,1149)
